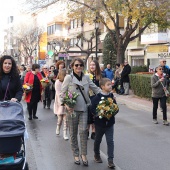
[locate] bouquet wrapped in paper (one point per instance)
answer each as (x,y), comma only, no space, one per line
(27,87)
(44,82)
(107,108)
(69,99)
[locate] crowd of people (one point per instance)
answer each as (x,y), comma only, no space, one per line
(91,87)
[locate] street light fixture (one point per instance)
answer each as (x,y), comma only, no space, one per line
(97,28)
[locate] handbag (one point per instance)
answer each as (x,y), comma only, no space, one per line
(90,118)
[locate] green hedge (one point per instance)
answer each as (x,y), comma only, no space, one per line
(141,85)
(135,69)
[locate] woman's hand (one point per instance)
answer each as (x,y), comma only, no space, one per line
(69,108)
(161,79)
(14,100)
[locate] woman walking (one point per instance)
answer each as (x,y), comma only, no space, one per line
(10,84)
(95,76)
(58,108)
(159,85)
(33,97)
(79,83)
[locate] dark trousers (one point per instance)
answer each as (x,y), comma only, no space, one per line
(47,102)
(32,108)
(163,106)
(109,132)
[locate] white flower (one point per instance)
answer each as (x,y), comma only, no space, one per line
(100,117)
(100,102)
(101,111)
(102,98)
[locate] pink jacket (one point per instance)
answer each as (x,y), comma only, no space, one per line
(58,109)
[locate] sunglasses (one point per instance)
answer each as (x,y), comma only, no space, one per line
(76,65)
(160,69)
(164,61)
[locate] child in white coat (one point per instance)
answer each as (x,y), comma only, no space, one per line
(58,108)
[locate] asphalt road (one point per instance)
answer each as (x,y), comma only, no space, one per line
(139,144)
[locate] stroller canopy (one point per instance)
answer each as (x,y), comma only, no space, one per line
(11,119)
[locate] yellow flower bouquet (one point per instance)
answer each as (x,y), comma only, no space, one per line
(44,82)
(27,87)
(107,108)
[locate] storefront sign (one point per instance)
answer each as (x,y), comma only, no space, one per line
(158,55)
(63,55)
(157,49)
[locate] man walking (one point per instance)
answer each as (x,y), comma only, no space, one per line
(125,77)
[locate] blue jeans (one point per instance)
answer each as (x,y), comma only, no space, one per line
(109,132)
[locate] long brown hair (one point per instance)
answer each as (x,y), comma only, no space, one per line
(97,71)
(61,75)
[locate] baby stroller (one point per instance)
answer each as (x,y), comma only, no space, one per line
(12,143)
(117,86)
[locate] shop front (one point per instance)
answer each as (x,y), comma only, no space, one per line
(136,57)
(156,52)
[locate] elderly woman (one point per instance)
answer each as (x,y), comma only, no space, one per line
(10,84)
(159,85)
(79,83)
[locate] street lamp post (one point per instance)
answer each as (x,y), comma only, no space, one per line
(96,27)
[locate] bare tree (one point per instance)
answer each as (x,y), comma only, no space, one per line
(28,35)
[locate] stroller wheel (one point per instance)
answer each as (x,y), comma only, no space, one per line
(26,166)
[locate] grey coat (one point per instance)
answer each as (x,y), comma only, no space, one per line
(70,83)
(157,88)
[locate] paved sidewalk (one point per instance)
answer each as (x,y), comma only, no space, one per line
(137,103)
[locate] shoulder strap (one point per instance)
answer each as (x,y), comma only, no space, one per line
(82,94)
(7,89)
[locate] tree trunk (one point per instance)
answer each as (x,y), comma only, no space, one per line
(120,54)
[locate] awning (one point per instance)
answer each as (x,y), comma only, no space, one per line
(94,55)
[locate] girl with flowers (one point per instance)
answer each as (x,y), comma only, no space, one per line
(104,108)
(95,76)
(59,109)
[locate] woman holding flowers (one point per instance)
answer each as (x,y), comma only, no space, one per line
(80,84)
(58,108)
(33,97)
(10,85)
(46,97)
(95,76)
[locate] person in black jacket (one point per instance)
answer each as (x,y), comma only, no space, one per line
(104,125)
(10,84)
(125,77)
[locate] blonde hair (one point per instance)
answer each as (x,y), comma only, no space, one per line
(61,75)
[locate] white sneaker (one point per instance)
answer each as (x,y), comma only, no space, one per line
(165,122)
(155,121)
(65,135)
(57,130)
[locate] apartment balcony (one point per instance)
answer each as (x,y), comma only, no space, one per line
(154,38)
(74,31)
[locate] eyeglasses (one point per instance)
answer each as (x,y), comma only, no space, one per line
(160,69)
(164,61)
(76,65)
(45,68)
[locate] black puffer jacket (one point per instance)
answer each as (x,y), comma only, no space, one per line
(14,90)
